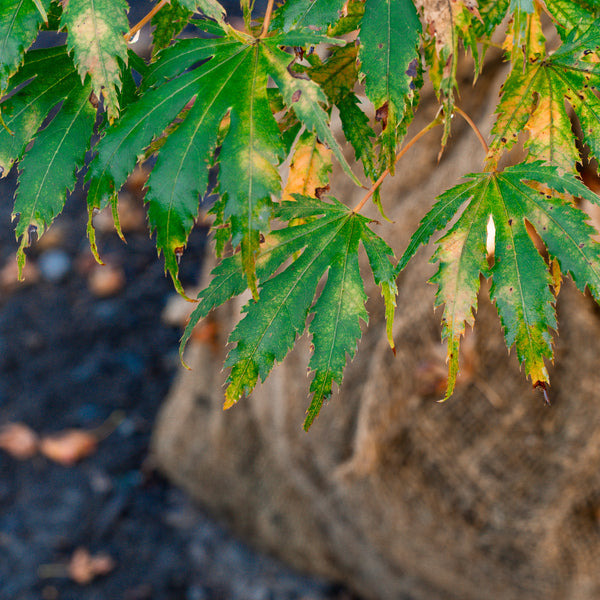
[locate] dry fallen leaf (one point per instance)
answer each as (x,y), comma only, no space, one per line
(18,440)
(69,447)
(85,567)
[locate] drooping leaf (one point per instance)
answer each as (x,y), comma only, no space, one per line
(49,167)
(329,246)
(19,24)
(389,36)
(380,256)
(49,77)
(302,95)
(232,83)
(95,36)
(525,41)
(533,99)
(337,77)
(338,311)
(462,257)
(521,278)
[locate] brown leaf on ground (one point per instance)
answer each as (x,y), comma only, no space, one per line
(69,447)
(19,441)
(85,567)
(106,280)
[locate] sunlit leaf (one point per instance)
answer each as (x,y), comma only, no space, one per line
(520,276)
(95,36)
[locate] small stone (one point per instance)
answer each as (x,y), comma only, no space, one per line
(54,265)
(106,280)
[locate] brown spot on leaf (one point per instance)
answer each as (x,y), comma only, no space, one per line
(321,191)
(296,95)
(382,115)
(412,68)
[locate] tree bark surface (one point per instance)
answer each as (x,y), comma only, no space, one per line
(490,495)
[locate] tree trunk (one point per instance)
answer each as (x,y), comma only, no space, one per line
(490,495)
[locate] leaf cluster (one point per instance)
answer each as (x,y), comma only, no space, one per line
(253,105)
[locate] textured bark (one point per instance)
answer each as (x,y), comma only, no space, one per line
(490,495)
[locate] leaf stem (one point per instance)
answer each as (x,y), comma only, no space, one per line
(403,151)
(144,20)
(474,127)
(267,20)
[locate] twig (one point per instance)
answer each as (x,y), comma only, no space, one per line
(474,127)
(267,20)
(400,154)
(143,21)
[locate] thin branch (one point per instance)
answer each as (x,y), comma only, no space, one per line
(267,20)
(143,21)
(474,127)
(400,154)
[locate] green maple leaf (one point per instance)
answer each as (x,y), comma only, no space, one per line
(571,16)
(520,277)
(49,77)
(96,29)
(211,8)
(533,99)
(48,168)
(492,13)
(337,77)
(328,245)
(20,21)
(233,84)
(389,38)
(168,22)
(307,13)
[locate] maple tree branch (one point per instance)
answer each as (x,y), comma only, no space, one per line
(267,20)
(403,151)
(144,20)
(474,127)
